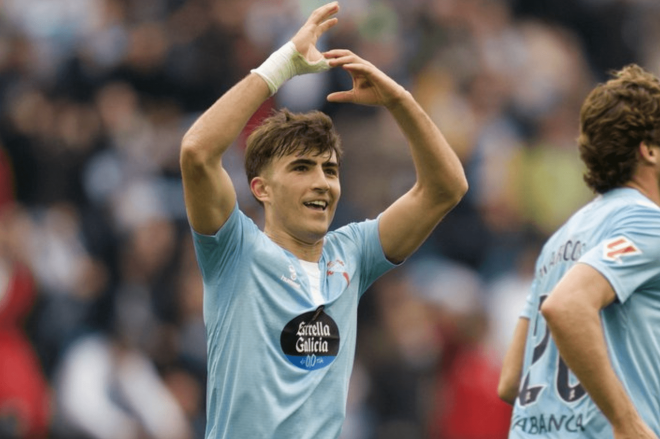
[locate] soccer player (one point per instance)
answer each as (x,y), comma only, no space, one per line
(280,305)
(585,357)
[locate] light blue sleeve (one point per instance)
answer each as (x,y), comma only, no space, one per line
(365,241)
(628,255)
(216,254)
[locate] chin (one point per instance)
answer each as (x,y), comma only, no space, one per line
(315,230)
(317,234)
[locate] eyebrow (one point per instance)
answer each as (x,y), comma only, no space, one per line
(310,162)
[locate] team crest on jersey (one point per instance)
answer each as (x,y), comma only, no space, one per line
(338,266)
(619,247)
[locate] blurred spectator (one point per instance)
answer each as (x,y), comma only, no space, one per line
(71,281)
(398,347)
(6,180)
(24,392)
(106,389)
(463,405)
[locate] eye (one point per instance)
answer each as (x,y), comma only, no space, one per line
(331,171)
(300,168)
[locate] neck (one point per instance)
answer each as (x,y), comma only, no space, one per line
(647,185)
(302,250)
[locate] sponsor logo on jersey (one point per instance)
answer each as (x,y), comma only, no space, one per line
(619,247)
(311,340)
(292,278)
(544,424)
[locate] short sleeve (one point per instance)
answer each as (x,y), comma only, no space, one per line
(629,254)
(364,239)
(216,253)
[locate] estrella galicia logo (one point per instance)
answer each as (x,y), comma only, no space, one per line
(311,340)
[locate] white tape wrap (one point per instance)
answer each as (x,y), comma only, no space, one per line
(285,63)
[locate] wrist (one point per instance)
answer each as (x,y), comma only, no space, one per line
(624,415)
(284,64)
(398,100)
(277,69)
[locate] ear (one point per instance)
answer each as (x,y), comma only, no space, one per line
(259,188)
(649,153)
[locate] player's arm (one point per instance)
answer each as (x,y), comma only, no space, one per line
(441,182)
(512,366)
(572,312)
(208,191)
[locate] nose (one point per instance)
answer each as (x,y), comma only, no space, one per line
(321,182)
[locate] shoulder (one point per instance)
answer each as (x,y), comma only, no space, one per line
(621,210)
(354,232)
(638,220)
(629,204)
(237,223)
(239,236)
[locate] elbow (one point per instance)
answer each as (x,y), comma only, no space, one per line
(192,154)
(457,192)
(551,310)
(462,188)
(561,315)
(189,147)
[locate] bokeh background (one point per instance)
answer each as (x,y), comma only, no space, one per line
(101,332)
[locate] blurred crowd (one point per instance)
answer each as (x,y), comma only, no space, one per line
(101,331)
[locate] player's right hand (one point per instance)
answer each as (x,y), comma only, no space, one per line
(317,24)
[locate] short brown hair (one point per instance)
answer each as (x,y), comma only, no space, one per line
(284,133)
(615,119)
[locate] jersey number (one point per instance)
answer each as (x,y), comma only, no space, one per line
(528,393)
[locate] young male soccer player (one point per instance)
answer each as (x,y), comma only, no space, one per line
(280,305)
(585,358)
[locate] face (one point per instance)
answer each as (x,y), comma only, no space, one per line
(300,195)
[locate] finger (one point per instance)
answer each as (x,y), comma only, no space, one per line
(337,53)
(345,60)
(353,67)
(323,13)
(323,27)
(341,96)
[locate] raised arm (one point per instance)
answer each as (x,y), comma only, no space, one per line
(208,191)
(572,312)
(441,182)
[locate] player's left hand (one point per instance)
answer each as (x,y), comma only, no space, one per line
(370,85)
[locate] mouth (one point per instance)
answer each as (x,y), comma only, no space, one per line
(319,205)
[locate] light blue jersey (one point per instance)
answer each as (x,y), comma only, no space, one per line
(619,235)
(279,365)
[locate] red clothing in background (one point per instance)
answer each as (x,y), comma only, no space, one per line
(24,400)
(468,406)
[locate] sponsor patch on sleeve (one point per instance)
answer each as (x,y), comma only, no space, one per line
(616,248)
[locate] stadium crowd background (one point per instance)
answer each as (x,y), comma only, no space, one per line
(101,332)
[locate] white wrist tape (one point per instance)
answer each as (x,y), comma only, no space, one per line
(285,63)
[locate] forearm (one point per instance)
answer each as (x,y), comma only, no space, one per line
(512,364)
(579,337)
(219,126)
(440,184)
(439,171)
